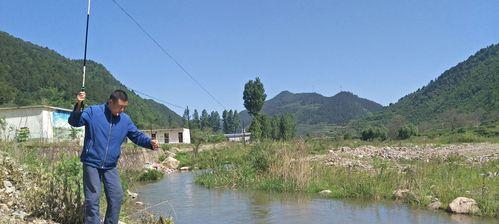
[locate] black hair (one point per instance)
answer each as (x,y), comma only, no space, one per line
(118,95)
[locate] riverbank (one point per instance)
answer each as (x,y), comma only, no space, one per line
(42,183)
(431,176)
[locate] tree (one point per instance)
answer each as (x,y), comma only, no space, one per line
(235,122)
(275,127)
(265,126)
(287,127)
(214,121)
(7,93)
(196,123)
(205,120)
(256,130)
(254,96)
(225,122)
(230,121)
(376,132)
(186,118)
(395,124)
(407,131)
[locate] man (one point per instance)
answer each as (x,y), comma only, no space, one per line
(106,127)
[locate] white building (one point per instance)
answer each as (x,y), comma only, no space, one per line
(167,136)
(44,123)
(237,137)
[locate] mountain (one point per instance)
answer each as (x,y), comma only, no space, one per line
(314,111)
(466,94)
(33,75)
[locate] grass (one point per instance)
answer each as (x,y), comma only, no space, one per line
(280,167)
(49,175)
(151,175)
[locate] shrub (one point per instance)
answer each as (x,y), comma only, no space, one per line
(150,175)
(371,133)
(407,131)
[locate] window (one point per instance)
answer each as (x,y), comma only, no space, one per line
(180,137)
(167,137)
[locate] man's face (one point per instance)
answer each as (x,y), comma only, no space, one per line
(117,106)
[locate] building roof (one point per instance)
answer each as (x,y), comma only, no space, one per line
(237,135)
(166,129)
(36,106)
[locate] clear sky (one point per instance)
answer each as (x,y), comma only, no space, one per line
(380,50)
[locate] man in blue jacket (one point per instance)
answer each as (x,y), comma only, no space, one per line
(106,127)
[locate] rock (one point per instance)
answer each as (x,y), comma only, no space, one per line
(4,208)
(401,194)
(139,203)
(20,214)
(435,205)
(325,192)
(132,194)
(463,205)
(171,163)
(120,222)
(9,188)
(185,168)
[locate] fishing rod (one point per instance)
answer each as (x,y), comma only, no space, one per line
(85,54)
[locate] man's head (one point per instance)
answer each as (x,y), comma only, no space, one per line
(118,101)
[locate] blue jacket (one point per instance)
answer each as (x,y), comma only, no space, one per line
(104,134)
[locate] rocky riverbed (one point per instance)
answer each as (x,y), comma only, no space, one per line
(362,157)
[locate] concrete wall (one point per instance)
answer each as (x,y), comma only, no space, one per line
(173,135)
(32,118)
(44,123)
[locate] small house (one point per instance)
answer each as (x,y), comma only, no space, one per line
(168,136)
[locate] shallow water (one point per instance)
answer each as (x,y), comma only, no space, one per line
(191,203)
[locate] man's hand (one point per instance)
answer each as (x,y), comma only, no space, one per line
(81,97)
(155,144)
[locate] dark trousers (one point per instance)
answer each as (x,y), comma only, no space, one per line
(92,178)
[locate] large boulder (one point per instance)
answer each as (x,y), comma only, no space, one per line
(401,194)
(463,205)
(171,163)
(325,192)
(435,205)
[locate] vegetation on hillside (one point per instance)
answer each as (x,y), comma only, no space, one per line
(34,75)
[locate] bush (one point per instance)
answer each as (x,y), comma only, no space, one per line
(150,175)
(260,157)
(184,159)
(407,131)
(58,194)
(371,133)
(23,134)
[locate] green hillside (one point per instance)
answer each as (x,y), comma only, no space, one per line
(465,95)
(33,75)
(313,112)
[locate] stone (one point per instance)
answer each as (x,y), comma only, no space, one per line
(325,192)
(185,168)
(20,214)
(171,163)
(4,207)
(9,188)
(435,205)
(463,205)
(132,194)
(139,203)
(401,194)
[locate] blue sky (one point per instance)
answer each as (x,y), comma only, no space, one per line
(380,50)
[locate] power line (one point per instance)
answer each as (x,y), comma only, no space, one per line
(167,54)
(159,100)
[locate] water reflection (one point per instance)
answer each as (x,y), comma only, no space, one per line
(195,204)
